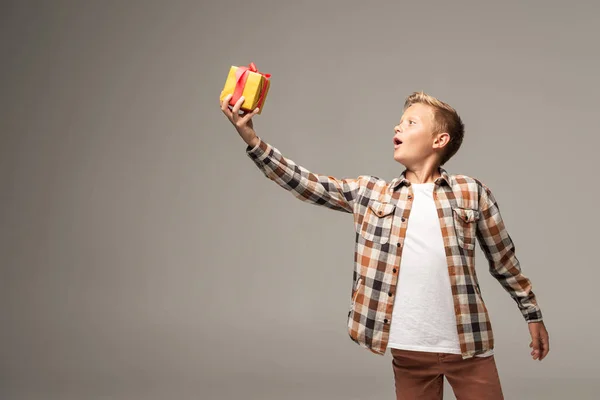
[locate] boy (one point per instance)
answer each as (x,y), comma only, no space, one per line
(415,289)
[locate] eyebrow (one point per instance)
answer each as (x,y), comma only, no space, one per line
(410,117)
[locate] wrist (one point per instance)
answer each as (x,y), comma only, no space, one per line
(253,142)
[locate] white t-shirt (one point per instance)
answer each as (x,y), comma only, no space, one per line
(423,317)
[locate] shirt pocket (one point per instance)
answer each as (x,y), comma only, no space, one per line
(465,225)
(377,223)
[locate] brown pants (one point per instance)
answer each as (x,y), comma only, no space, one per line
(420,375)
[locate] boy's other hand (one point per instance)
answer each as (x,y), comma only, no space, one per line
(242,122)
(539,340)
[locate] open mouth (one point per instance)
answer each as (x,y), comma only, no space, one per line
(397,142)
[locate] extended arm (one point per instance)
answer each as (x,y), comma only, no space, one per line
(323,190)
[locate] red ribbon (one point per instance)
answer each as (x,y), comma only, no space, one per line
(241,75)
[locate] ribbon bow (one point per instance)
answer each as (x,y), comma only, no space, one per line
(241,75)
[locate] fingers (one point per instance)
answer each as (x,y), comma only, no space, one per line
(541,347)
(234,114)
(225,106)
(236,109)
(536,347)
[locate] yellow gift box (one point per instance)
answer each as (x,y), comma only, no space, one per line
(247,82)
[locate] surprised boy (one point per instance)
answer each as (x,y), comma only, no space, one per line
(415,289)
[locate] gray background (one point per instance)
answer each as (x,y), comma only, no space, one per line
(144,256)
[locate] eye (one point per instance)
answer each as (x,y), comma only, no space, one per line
(411,121)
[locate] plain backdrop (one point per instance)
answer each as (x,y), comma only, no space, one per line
(143,254)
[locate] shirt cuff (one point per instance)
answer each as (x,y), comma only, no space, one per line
(258,151)
(534,315)
(251,149)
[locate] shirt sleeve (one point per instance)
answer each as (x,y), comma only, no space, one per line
(317,189)
(499,250)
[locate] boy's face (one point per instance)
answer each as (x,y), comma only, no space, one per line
(413,140)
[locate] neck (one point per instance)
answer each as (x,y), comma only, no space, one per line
(424,175)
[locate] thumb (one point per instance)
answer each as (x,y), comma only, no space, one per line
(249,116)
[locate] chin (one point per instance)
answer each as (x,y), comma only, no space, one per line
(399,159)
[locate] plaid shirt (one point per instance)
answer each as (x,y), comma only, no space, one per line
(467,210)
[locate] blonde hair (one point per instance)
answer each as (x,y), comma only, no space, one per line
(445,119)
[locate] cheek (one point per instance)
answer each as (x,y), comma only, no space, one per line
(422,142)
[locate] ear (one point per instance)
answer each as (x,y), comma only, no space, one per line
(442,139)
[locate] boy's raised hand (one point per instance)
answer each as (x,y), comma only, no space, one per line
(242,122)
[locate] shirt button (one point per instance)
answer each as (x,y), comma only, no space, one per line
(390,294)
(394,270)
(385,321)
(409,196)
(403,219)
(399,244)
(380,212)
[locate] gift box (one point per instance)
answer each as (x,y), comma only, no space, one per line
(247,82)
